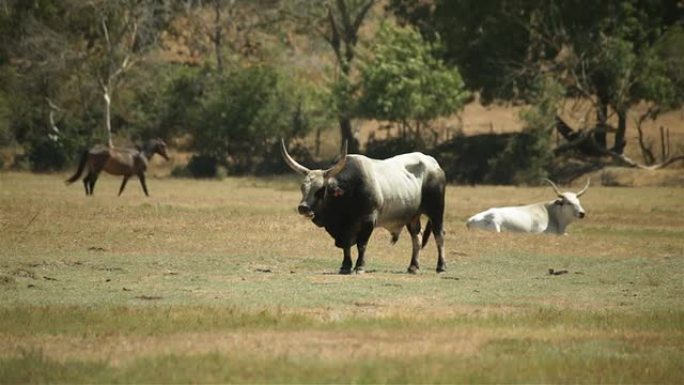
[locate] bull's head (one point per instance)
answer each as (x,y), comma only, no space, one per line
(315,183)
(569,200)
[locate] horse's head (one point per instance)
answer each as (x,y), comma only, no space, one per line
(158,146)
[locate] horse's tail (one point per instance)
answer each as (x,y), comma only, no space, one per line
(426,233)
(81,166)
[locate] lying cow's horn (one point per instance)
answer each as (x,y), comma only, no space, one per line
(582,191)
(334,170)
(291,162)
(555,188)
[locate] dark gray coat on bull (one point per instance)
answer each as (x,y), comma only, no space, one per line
(358,194)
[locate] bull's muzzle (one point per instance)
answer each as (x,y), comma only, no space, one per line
(581,215)
(304,209)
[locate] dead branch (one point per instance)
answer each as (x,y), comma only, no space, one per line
(584,140)
(51,116)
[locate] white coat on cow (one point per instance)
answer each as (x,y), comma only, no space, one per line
(545,217)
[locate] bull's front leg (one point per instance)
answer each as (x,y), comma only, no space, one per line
(361,242)
(346,267)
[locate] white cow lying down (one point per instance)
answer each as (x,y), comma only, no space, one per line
(545,217)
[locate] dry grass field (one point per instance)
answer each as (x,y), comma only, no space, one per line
(221,281)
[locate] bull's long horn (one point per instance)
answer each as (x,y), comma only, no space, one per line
(555,188)
(582,191)
(291,162)
(334,170)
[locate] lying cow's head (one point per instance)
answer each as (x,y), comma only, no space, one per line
(569,201)
(316,184)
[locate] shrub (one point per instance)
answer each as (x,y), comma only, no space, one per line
(47,155)
(203,166)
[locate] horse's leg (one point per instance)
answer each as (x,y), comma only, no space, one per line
(86,184)
(123,183)
(141,176)
(93,179)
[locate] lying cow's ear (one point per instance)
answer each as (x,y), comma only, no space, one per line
(558,202)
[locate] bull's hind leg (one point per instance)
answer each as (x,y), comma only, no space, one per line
(433,200)
(414,231)
(438,232)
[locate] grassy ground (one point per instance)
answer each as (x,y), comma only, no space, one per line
(221,281)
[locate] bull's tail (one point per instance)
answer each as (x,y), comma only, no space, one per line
(426,233)
(81,167)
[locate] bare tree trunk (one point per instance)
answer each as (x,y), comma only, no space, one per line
(664,143)
(347,135)
(620,142)
(601,132)
(108,115)
(343,36)
(646,152)
(218,36)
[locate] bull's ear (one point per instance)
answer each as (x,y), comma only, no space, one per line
(334,189)
(337,191)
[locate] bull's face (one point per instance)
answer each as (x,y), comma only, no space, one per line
(313,192)
(314,185)
(569,201)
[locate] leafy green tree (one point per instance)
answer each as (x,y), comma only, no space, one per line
(402,81)
(610,52)
(527,156)
(64,55)
(339,24)
(243,115)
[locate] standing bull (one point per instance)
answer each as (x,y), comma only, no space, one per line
(548,217)
(357,194)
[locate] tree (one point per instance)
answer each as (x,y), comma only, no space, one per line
(65,55)
(243,114)
(403,82)
(127,31)
(526,158)
(606,51)
(338,23)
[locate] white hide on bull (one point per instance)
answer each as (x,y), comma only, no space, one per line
(545,217)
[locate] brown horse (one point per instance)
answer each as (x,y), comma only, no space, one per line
(118,161)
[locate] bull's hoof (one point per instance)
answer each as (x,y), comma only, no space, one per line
(441,269)
(412,270)
(345,271)
(359,270)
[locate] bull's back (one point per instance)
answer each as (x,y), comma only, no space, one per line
(400,182)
